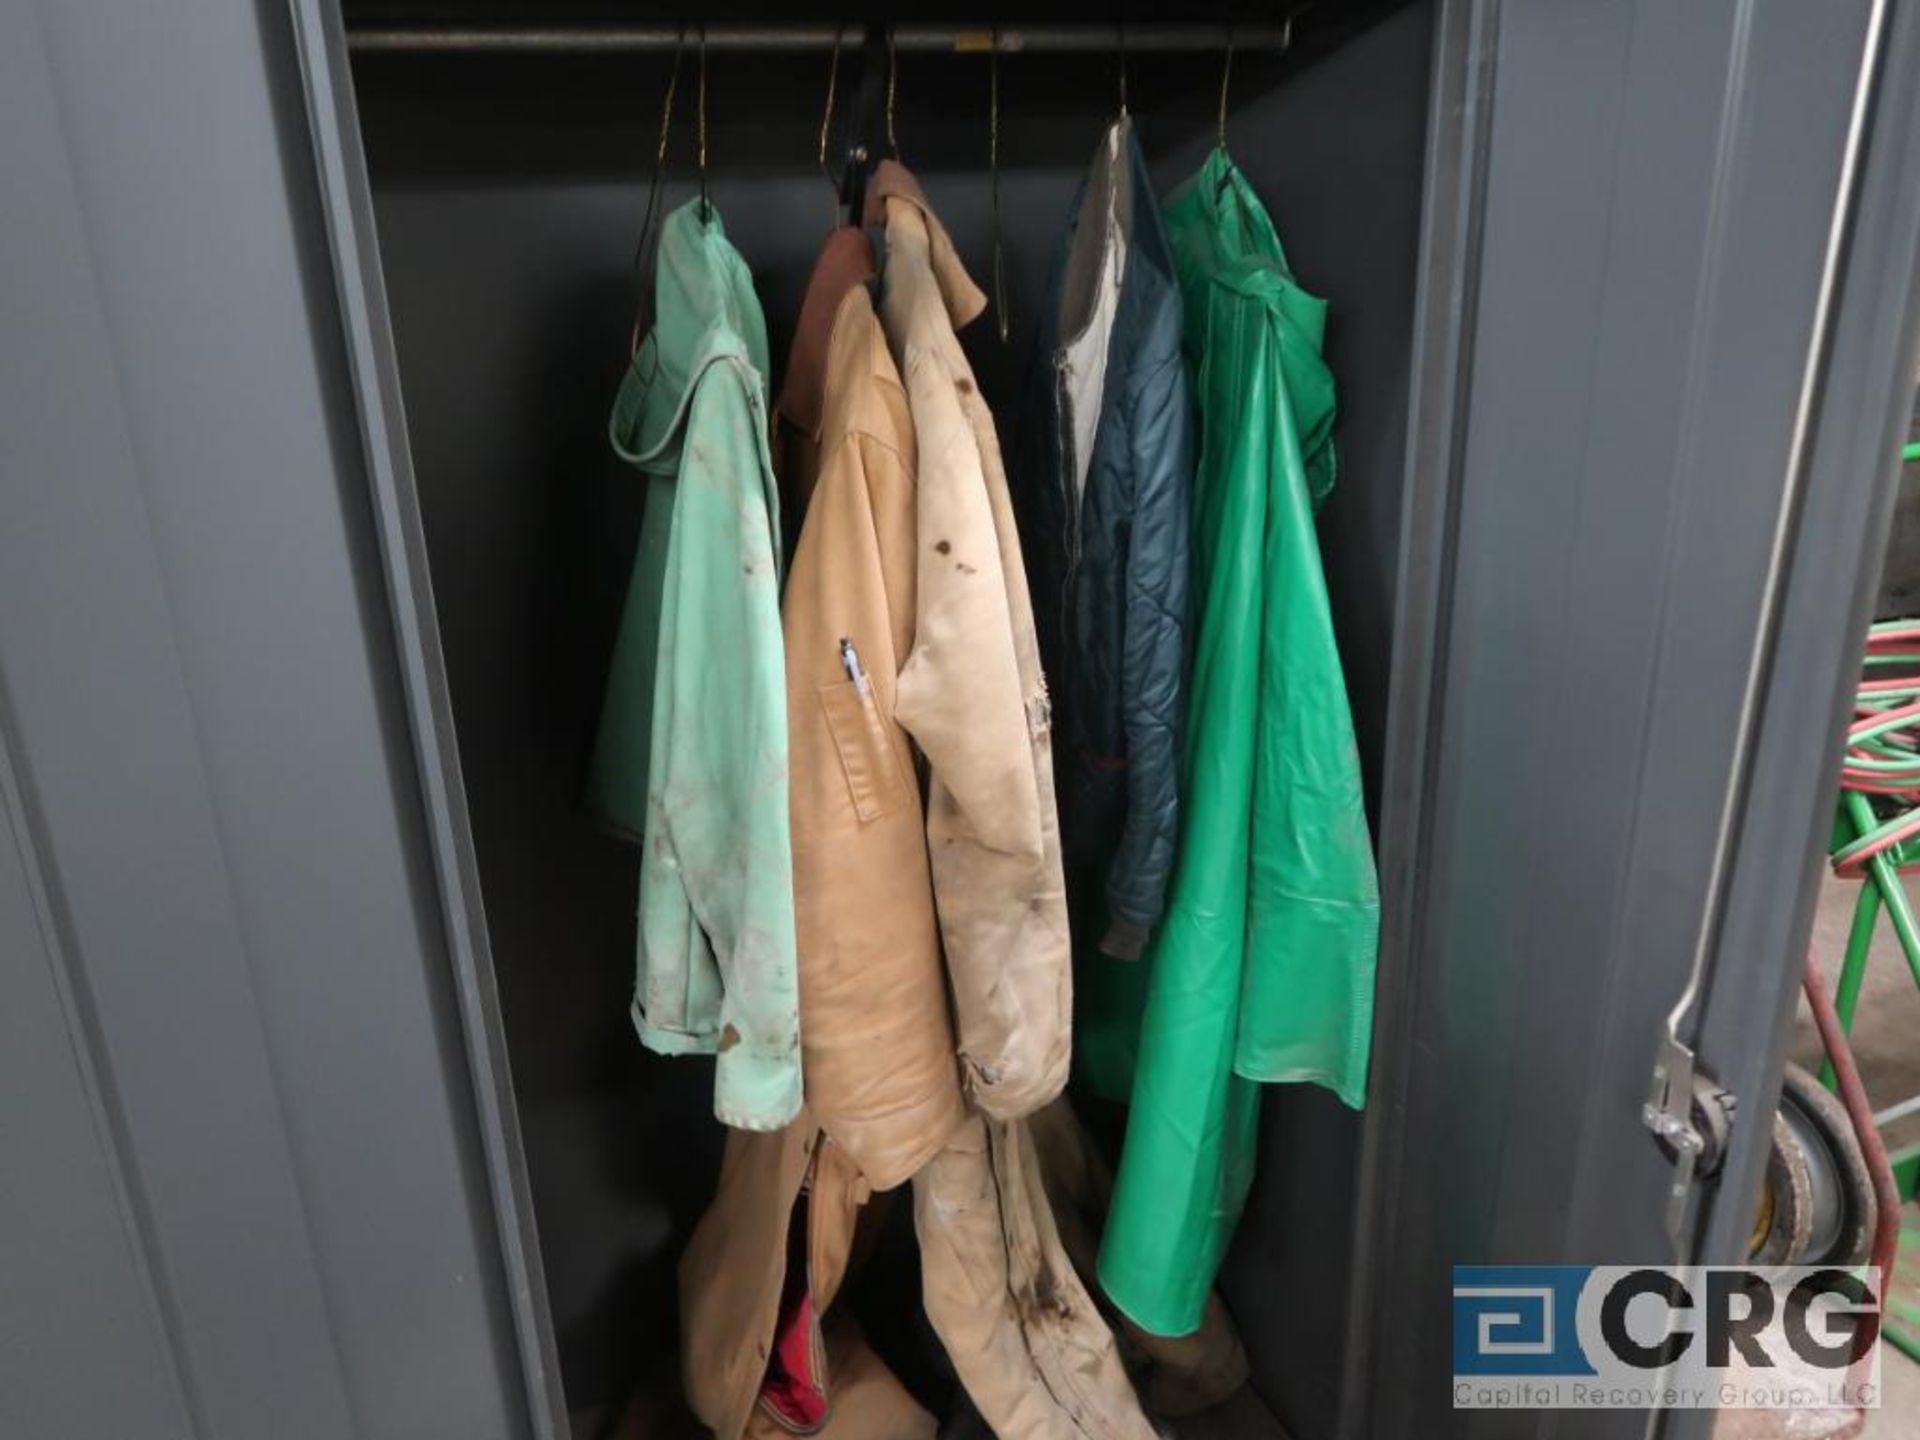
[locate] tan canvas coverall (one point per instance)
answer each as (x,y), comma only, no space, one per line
(1024,1336)
(972,694)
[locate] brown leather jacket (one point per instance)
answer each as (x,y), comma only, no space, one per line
(972,694)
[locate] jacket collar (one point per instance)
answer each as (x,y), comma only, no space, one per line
(892,181)
(704,310)
(1101,215)
(845,260)
(1149,271)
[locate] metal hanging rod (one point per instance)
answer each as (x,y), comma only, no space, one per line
(1014,39)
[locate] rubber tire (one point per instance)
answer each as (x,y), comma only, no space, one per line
(1790,1186)
(1846,1167)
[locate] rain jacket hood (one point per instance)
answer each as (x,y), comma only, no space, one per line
(704,310)
(1227,239)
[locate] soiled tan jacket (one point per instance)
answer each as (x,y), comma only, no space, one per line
(877,1046)
(972,694)
(882,1086)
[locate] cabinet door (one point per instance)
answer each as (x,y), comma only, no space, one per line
(1666,353)
(244,1179)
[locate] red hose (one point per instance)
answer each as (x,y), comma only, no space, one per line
(1853,1094)
(1882,756)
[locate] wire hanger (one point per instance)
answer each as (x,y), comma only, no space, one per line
(1226,79)
(826,126)
(893,81)
(1120,61)
(706,205)
(650,222)
(993,183)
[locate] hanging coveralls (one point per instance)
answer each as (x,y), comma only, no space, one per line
(691,756)
(1024,1336)
(971,693)
(1264,968)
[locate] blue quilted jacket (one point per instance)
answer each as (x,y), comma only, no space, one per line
(1108,553)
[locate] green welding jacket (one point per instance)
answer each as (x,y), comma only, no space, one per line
(1263,969)
(691,756)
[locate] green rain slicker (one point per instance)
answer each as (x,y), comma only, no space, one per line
(691,756)
(1263,969)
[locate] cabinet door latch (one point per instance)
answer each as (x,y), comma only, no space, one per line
(1691,1115)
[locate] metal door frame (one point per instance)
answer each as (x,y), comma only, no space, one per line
(244,1108)
(346,197)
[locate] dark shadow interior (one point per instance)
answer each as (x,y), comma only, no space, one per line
(509,190)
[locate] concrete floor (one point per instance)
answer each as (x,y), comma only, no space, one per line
(1886,1042)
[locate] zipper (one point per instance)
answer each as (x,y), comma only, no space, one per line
(1070,508)
(1013,1194)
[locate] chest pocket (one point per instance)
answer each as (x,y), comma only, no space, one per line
(867,758)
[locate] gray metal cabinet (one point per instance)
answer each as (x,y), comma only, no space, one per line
(243,1192)
(1632,338)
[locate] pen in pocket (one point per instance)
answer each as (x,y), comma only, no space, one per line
(850,659)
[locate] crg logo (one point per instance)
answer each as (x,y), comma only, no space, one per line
(1618,1336)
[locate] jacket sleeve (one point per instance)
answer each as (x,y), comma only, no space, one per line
(1313,899)
(1153,661)
(959,692)
(719,835)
